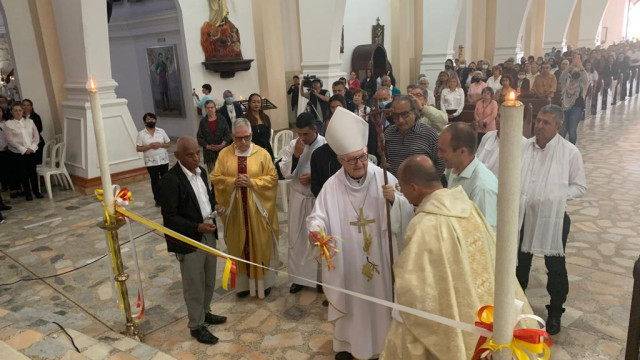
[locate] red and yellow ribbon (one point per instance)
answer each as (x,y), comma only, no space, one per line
(229,275)
(327,247)
(526,343)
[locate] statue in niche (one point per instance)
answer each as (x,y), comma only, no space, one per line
(219,37)
(377,33)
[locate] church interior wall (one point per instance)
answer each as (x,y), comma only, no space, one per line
(359,16)
(26,57)
(614,21)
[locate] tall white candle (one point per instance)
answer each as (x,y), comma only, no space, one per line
(101,144)
(511,118)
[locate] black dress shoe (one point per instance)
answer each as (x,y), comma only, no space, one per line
(242,294)
(319,289)
(4,207)
(553,324)
(29,197)
(267,291)
(325,303)
(212,319)
(204,336)
(38,195)
(344,355)
(295,288)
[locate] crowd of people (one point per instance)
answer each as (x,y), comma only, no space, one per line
(442,192)
(21,151)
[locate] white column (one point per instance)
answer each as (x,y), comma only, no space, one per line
(591,14)
(557,17)
(83,34)
(28,61)
(440,19)
(320,34)
(511,18)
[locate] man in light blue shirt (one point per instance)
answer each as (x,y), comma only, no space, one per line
(457,146)
(206,90)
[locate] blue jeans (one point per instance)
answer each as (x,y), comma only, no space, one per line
(572,118)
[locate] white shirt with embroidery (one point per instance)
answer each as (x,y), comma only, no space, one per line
(153,157)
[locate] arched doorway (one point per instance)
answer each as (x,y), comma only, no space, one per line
(370,56)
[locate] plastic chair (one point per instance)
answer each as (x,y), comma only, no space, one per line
(47,152)
(57,139)
(281,141)
(57,168)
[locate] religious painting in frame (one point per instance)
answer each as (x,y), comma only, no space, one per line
(166,84)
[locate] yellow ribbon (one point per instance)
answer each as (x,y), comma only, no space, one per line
(525,344)
(177,236)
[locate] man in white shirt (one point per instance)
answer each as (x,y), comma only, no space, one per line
(552,173)
(489,149)
(187,201)
(457,147)
(206,90)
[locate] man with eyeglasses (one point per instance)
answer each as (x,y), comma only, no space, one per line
(429,115)
(408,137)
(246,183)
(351,207)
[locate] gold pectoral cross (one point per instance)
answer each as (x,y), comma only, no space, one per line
(361,223)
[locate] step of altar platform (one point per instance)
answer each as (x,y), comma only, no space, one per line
(25,336)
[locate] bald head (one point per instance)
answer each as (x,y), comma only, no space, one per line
(188,153)
(419,170)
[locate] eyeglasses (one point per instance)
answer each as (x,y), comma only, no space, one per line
(362,159)
(242,138)
(403,115)
(417,94)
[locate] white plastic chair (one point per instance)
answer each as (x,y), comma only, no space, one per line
(271,138)
(280,142)
(57,139)
(57,168)
(47,151)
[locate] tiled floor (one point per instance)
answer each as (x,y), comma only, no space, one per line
(603,245)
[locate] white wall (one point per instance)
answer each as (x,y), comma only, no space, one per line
(359,16)
(291,35)
(614,20)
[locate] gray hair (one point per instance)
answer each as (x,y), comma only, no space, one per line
(423,78)
(240,122)
(554,110)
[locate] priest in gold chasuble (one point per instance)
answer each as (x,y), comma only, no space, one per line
(246,184)
(351,207)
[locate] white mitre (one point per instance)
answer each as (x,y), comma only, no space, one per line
(347,132)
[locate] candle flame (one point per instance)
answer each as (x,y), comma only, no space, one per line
(92,83)
(512,96)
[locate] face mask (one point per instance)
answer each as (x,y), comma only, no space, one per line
(485,66)
(575,75)
(447,67)
(229,100)
(150,124)
(384,104)
(521,77)
(462,66)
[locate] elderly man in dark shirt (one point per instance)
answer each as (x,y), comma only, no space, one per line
(408,137)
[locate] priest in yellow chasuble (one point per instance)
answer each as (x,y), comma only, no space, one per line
(351,207)
(246,184)
(446,268)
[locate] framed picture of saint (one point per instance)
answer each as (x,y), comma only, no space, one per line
(166,84)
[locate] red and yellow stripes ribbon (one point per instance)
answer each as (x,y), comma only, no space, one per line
(526,343)
(327,247)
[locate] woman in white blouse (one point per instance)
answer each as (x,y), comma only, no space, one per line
(153,143)
(23,137)
(452,100)
(494,81)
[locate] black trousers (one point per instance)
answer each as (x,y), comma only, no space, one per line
(26,173)
(155,173)
(6,170)
(557,279)
(455,118)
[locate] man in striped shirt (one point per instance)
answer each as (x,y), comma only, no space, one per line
(408,137)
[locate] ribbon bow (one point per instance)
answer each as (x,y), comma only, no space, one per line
(325,243)
(526,343)
(122,197)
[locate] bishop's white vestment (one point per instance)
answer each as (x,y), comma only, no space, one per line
(355,214)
